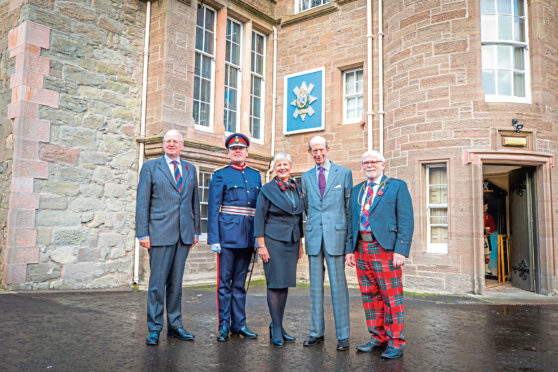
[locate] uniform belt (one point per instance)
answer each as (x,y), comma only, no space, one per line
(366,236)
(241,211)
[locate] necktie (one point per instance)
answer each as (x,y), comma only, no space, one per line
(321,180)
(366,208)
(177,176)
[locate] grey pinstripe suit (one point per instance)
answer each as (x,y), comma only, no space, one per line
(326,237)
(171,219)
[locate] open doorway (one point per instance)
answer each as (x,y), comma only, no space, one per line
(510,228)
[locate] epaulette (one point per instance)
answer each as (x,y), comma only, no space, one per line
(220,168)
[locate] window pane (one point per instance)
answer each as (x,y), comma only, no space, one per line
(505,28)
(519,84)
(489,81)
(519,26)
(206,67)
(504,83)
(504,6)
(438,175)
(488,6)
(504,57)
(438,194)
(199,38)
(489,57)
(519,61)
(519,8)
(489,25)
(360,107)
(439,235)
(208,42)
(210,20)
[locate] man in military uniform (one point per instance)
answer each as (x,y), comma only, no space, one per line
(233,192)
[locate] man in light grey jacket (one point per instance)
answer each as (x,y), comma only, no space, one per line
(327,192)
(168,225)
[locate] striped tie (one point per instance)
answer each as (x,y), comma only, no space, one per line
(177,176)
(364,224)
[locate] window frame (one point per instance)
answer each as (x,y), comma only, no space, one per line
(201,189)
(488,39)
(438,248)
(299,4)
(238,68)
(346,120)
(202,53)
(260,139)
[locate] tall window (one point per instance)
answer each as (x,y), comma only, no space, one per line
(204,178)
(232,76)
(505,55)
(309,4)
(257,86)
(352,96)
(437,208)
(204,67)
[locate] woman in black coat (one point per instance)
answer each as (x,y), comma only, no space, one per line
(278,230)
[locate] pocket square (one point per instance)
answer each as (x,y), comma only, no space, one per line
(338,186)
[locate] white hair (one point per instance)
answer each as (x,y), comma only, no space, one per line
(171,132)
(315,140)
(373,153)
(282,156)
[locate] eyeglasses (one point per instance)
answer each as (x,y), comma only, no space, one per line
(371,163)
(236,148)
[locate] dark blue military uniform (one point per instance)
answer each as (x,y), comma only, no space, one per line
(233,192)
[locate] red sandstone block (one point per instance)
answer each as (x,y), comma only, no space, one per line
(438,81)
(45,97)
(21,218)
(450,47)
(30,33)
(15,273)
(26,238)
(415,18)
(31,168)
(34,129)
(26,149)
(28,78)
(25,255)
(22,184)
(31,62)
(59,154)
(24,200)
(23,109)
(446,16)
(33,49)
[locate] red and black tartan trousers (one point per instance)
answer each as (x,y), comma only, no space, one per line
(382,294)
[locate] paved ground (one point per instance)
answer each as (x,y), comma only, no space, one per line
(106,331)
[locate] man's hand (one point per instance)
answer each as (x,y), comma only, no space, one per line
(146,243)
(196,240)
(350,259)
(398,260)
(216,247)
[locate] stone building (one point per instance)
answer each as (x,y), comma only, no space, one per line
(461,96)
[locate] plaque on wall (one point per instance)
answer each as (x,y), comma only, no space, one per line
(304,102)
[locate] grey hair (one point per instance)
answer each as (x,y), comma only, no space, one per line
(317,139)
(282,156)
(374,153)
(173,131)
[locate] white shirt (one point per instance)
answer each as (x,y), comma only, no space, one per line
(171,165)
(377,181)
(326,166)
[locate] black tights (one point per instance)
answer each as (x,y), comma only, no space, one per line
(276,301)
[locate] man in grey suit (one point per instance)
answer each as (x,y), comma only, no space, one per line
(168,225)
(327,191)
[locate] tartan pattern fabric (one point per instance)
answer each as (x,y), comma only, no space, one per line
(382,294)
(177,176)
(365,212)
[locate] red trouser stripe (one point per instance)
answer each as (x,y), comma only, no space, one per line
(382,294)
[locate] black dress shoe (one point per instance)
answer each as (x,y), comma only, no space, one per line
(287,337)
(392,353)
(245,332)
(313,341)
(181,334)
(152,339)
(366,348)
(343,344)
(223,335)
(277,343)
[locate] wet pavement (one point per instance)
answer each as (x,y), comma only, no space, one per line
(105,331)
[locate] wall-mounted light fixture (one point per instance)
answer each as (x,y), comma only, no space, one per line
(517,125)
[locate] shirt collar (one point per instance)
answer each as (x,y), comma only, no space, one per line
(326,166)
(376,180)
(169,160)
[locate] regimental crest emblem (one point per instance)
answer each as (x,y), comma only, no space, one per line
(303,101)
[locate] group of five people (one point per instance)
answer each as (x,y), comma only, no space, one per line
(369,226)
